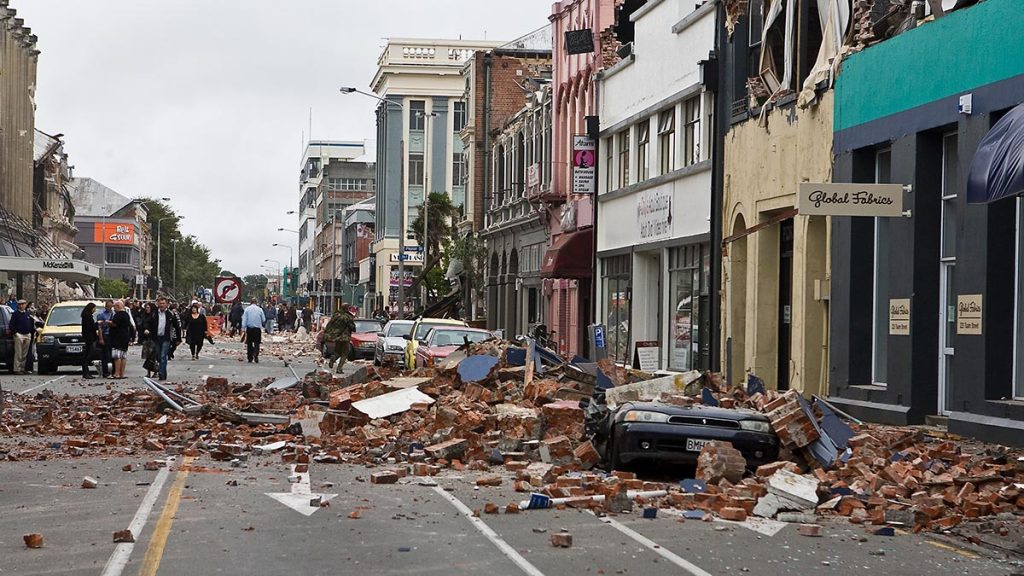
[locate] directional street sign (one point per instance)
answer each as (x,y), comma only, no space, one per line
(227,290)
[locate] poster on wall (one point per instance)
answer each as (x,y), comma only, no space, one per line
(899,317)
(968,314)
(584,164)
(646,356)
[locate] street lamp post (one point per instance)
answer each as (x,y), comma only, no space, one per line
(174,267)
(401,201)
(159,271)
(428,121)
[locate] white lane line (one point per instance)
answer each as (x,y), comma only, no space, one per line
(47,383)
(660,550)
(122,552)
(491,535)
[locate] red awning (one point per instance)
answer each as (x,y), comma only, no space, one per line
(571,256)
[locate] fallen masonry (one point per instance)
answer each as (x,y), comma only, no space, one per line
(501,421)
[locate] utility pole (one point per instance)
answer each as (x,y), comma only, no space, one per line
(428,122)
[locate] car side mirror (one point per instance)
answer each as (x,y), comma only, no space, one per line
(380,334)
(407,336)
(422,342)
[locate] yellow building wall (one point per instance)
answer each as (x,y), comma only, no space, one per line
(763,166)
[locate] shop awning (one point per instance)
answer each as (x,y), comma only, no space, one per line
(571,256)
(997,170)
(68,270)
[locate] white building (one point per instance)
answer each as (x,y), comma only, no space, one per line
(654,201)
(419,150)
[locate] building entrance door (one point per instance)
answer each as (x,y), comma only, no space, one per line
(785,302)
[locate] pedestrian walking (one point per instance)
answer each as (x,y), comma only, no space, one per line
(292,318)
(235,317)
(23,327)
(338,334)
(307,319)
(270,311)
(103,319)
(148,350)
(90,336)
(195,330)
(252,326)
(164,330)
(119,338)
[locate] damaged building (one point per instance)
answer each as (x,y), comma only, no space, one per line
(927,308)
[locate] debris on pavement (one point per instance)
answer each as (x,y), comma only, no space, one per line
(33,540)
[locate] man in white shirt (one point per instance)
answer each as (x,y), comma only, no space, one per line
(253,320)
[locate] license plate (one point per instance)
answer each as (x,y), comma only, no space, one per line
(695,445)
(75,349)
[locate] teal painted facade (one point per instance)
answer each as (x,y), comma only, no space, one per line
(965,50)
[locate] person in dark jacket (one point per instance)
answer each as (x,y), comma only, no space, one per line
(235,318)
(90,335)
(120,337)
(22,327)
(149,359)
(195,330)
(164,330)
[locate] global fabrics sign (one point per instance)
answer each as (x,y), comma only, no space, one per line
(584,164)
(113,233)
(827,199)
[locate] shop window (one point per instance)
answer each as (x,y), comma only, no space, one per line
(667,141)
(532,306)
(643,140)
(609,182)
(880,290)
(119,255)
(616,272)
(691,131)
(689,328)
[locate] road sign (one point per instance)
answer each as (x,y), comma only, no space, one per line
(227,290)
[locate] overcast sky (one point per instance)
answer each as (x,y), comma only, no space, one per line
(206,101)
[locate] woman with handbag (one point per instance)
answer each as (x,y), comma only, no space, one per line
(90,335)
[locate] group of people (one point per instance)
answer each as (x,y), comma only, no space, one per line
(159,328)
(282,317)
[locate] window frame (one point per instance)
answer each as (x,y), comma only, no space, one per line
(622,150)
(643,144)
(691,131)
(667,141)
(417,121)
(880,321)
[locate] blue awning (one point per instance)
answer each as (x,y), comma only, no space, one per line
(997,170)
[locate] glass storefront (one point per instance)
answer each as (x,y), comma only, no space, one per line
(689,337)
(616,274)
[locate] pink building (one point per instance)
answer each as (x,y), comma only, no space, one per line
(567,268)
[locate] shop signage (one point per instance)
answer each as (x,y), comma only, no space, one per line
(579,41)
(533,176)
(394,278)
(968,314)
(407,257)
(654,214)
(584,168)
(647,356)
(814,199)
(899,317)
(113,233)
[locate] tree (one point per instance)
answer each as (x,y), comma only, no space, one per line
(113,288)
(194,264)
(254,286)
(472,252)
(441,214)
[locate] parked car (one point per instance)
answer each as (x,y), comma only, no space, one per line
(60,339)
(7,341)
(391,342)
(442,341)
(670,434)
(364,339)
(419,331)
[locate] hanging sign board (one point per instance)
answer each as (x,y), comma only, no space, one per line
(584,164)
(899,317)
(579,41)
(826,199)
(646,356)
(968,314)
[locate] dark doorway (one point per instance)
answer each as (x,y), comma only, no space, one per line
(785,301)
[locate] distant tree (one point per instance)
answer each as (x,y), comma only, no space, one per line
(113,288)
(441,213)
(254,286)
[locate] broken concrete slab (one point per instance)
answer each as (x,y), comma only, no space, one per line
(391,403)
(802,490)
(650,389)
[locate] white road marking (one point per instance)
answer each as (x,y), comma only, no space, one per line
(759,525)
(301,495)
(491,535)
(122,552)
(657,548)
(47,383)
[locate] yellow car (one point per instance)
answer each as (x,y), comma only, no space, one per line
(60,340)
(419,332)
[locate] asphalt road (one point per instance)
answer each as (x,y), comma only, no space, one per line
(204,517)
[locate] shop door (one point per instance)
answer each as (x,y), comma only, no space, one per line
(947,328)
(785,301)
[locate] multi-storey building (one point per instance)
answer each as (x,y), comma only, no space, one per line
(335,174)
(654,182)
(18,61)
(357,237)
(112,231)
(418,148)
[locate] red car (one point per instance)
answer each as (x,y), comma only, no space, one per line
(364,339)
(440,342)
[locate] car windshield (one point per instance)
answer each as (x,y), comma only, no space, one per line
(65,316)
(424,328)
(457,337)
(367,326)
(399,330)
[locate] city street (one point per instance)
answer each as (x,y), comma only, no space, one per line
(200,516)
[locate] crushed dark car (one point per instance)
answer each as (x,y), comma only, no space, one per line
(661,433)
